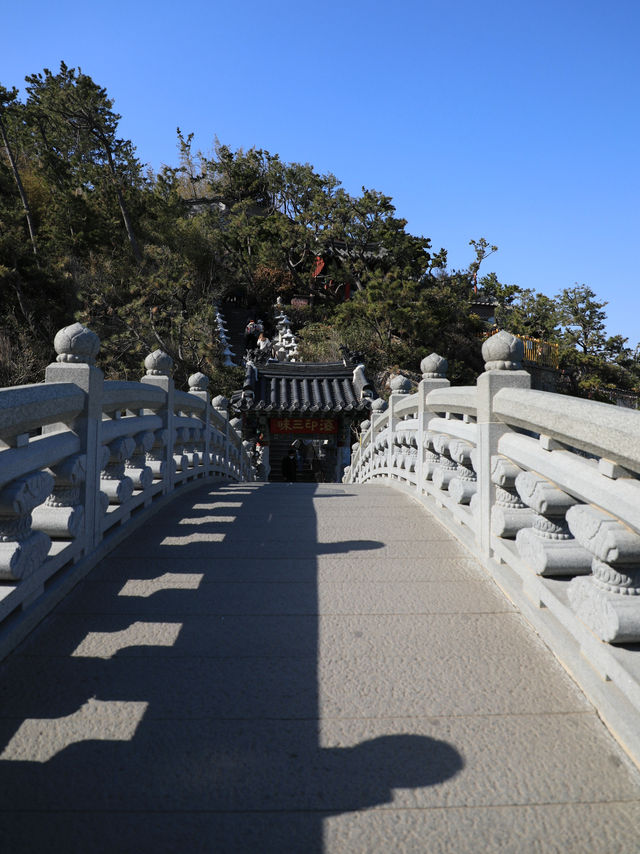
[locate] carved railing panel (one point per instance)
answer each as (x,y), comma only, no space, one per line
(180,458)
(115,484)
(22,550)
(431,458)
(61,516)
(136,465)
(609,600)
(446,468)
(509,514)
(548,546)
(464,485)
(78,454)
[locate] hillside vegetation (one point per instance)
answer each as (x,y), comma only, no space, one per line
(88,233)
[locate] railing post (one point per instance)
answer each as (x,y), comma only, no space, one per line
(502,354)
(235,424)
(159,366)
(198,386)
(77,348)
(378,408)
(365,429)
(264,468)
(434,375)
(221,405)
(400,386)
(371,433)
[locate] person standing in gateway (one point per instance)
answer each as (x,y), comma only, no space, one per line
(290,467)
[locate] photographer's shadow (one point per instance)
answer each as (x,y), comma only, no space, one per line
(348,779)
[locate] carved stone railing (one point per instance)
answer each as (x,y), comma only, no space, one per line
(83,462)
(544,489)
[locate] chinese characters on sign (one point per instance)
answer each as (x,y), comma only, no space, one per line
(304,425)
(299,302)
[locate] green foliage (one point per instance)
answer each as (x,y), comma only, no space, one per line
(531,314)
(399,320)
(143,258)
(583,320)
(70,115)
(20,361)
(482,250)
(320,342)
(592,364)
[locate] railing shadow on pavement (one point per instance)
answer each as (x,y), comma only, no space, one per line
(178,685)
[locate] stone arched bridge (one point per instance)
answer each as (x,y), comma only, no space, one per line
(206,662)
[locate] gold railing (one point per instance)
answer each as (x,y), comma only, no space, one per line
(536,351)
(539,352)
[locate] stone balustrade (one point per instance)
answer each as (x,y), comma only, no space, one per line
(544,490)
(84,461)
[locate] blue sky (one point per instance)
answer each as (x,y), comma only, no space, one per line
(513,121)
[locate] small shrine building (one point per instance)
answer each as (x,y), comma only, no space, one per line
(310,406)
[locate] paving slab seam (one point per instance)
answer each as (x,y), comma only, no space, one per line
(116,558)
(378,808)
(266,581)
(363,718)
(279,615)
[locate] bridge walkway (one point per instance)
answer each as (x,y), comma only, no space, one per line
(300,668)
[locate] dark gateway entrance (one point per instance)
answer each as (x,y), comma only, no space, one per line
(310,406)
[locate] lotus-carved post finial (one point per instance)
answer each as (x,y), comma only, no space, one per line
(503,352)
(158,364)
(379,405)
(400,384)
(220,402)
(76,344)
(198,382)
(364,425)
(434,367)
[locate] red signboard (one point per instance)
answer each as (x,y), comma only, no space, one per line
(303,425)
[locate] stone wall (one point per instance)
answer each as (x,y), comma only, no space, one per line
(542,378)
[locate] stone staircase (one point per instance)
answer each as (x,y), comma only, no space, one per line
(236,319)
(278,449)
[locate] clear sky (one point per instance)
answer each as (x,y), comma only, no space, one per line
(514,121)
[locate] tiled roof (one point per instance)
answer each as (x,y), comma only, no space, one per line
(305,387)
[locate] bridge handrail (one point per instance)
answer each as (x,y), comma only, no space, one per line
(118,396)
(457,400)
(544,490)
(596,428)
(26,408)
(406,406)
(188,404)
(83,461)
